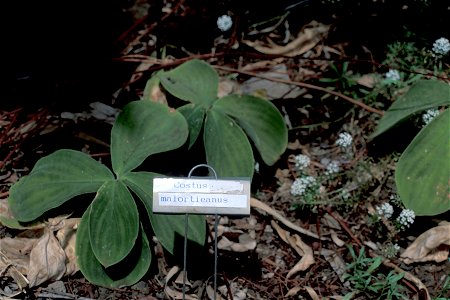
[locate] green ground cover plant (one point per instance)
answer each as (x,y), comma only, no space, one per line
(365,278)
(112,248)
(229,123)
(421,176)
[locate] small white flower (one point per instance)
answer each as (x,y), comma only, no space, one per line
(332,167)
(385,210)
(390,250)
(345,194)
(393,75)
(224,22)
(300,185)
(257,167)
(441,46)
(345,140)
(302,161)
(429,115)
(406,218)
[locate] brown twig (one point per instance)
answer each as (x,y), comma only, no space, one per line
(255,203)
(344,225)
(304,85)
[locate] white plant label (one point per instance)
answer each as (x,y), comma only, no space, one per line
(201,196)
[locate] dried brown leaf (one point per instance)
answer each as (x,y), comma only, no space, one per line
(312,293)
(299,246)
(307,39)
(41,255)
(367,80)
(336,239)
(294,291)
(432,245)
(47,260)
(303,249)
(246,243)
(17,250)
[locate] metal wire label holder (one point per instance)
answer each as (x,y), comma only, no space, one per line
(201,195)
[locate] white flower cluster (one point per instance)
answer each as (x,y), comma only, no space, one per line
(302,161)
(300,185)
(224,22)
(390,250)
(332,167)
(406,218)
(345,140)
(429,115)
(393,75)
(386,210)
(441,46)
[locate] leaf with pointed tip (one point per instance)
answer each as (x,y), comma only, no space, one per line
(127,272)
(423,95)
(228,149)
(55,179)
(194,81)
(114,223)
(262,122)
(144,128)
(166,227)
(422,174)
(194,115)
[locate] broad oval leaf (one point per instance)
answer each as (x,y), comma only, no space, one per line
(227,148)
(422,174)
(55,179)
(144,128)
(262,122)
(194,115)
(423,95)
(194,81)
(127,272)
(167,228)
(114,223)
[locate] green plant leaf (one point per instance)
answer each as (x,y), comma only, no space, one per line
(114,223)
(194,115)
(169,230)
(422,175)
(228,149)
(127,272)
(194,81)
(262,122)
(144,128)
(55,179)
(166,227)
(424,94)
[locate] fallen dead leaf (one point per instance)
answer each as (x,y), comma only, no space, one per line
(270,89)
(227,87)
(294,291)
(367,80)
(312,293)
(432,245)
(42,255)
(47,260)
(308,38)
(245,243)
(299,246)
(336,239)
